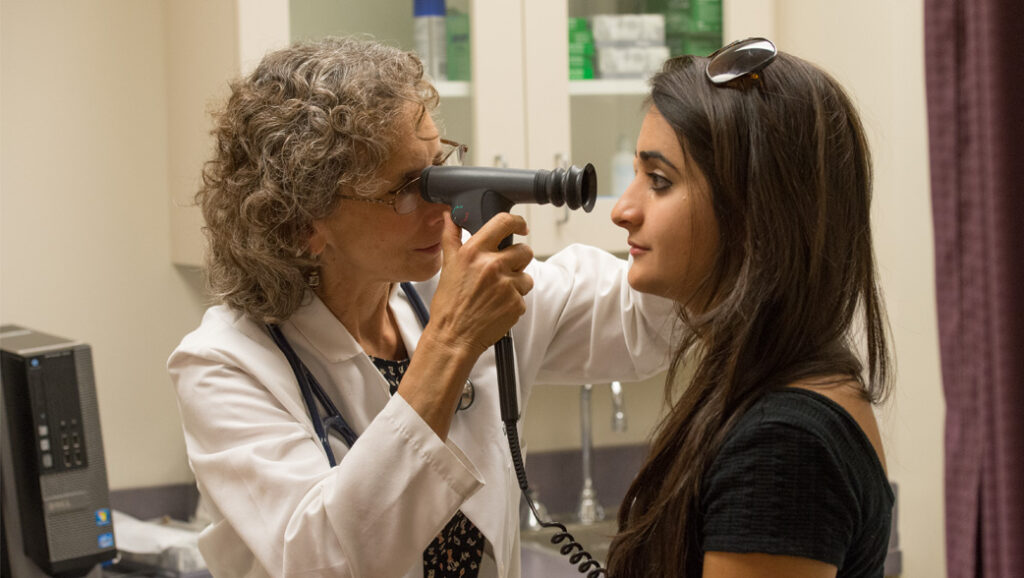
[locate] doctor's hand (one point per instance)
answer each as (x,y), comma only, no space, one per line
(479,297)
(480,293)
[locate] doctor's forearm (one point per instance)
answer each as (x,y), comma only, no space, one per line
(434,381)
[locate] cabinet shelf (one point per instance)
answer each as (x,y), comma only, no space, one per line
(453,88)
(609,87)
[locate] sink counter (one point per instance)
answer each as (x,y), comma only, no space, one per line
(542,559)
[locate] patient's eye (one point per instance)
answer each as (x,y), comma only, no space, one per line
(658,182)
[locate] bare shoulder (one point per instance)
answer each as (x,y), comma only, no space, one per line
(848,394)
(754,565)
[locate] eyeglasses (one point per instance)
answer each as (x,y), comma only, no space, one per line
(406,197)
(738,59)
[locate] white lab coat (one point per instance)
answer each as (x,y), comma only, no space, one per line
(277,507)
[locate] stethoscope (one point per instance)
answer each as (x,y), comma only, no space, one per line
(313,393)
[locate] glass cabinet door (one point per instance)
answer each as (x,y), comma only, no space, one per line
(393,22)
(481,81)
(587,71)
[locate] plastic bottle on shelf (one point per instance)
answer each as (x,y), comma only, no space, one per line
(457,33)
(622,167)
(429,23)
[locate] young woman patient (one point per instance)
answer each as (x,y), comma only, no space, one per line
(751,209)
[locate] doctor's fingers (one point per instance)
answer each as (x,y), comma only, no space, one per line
(496,229)
(516,257)
(522,282)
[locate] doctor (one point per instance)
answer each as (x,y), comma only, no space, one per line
(332,431)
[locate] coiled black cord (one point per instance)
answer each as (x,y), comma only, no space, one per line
(573,549)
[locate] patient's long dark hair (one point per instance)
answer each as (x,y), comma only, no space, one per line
(792,293)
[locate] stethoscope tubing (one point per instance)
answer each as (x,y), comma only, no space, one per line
(313,392)
(303,378)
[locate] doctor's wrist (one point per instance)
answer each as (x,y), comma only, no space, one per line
(451,345)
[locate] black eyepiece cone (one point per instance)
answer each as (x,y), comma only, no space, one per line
(574,187)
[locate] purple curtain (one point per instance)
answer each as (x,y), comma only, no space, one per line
(974,51)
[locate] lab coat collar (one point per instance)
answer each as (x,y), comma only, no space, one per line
(331,339)
(408,324)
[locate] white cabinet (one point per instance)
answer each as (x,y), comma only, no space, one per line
(207,44)
(519,109)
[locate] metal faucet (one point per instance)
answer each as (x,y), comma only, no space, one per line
(618,409)
(527,520)
(590,510)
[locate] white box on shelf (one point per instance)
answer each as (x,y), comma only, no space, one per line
(628,29)
(630,61)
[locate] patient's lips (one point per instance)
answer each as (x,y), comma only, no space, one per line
(636,249)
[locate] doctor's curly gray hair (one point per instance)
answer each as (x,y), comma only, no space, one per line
(312,119)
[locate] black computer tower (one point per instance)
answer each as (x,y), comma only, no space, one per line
(56,503)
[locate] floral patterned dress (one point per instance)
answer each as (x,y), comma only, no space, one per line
(457,551)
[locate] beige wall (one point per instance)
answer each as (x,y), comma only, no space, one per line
(84,219)
(85,250)
(876,49)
